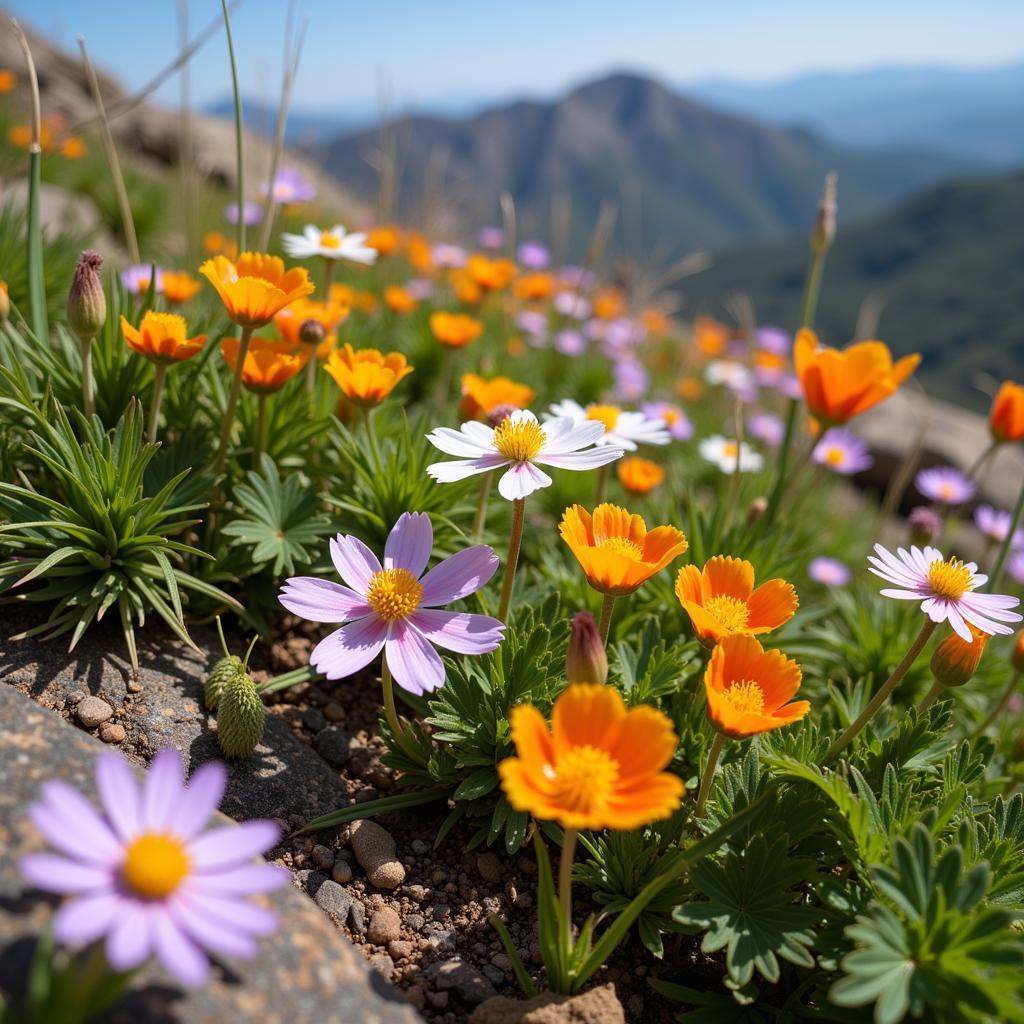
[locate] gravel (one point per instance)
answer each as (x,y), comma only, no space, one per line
(93,711)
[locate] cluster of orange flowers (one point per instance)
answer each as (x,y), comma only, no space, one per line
(53,137)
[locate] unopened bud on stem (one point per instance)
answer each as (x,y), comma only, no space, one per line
(955,661)
(586,661)
(824,230)
(87,305)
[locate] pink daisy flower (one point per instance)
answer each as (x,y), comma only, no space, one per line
(829,572)
(393,607)
(995,524)
(677,422)
(946,588)
(520,442)
(843,452)
(144,875)
(944,484)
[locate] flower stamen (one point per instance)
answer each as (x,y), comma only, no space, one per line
(745,697)
(606,414)
(519,440)
(394,593)
(154,865)
(622,546)
(950,579)
(731,614)
(583,779)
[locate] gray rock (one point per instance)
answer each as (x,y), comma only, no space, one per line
(313,719)
(470,984)
(333,744)
(443,941)
(92,711)
(358,917)
(307,971)
(503,962)
(415,922)
(331,898)
(323,857)
(419,847)
(493,974)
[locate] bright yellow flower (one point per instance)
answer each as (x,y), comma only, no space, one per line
(609,304)
(179,286)
(491,275)
(398,300)
(615,549)
(161,338)
(256,287)
(455,329)
(534,287)
(366,377)
(710,336)
(600,765)
(268,366)
(638,475)
(480,397)
(384,239)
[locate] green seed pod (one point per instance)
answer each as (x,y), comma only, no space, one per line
(223,672)
(87,305)
(240,717)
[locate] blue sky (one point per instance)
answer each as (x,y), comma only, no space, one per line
(440,49)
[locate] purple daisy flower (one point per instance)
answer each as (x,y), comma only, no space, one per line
(393,607)
(570,343)
(631,379)
(1015,567)
(534,255)
(996,524)
(678,423)
(491,238)
(145,876)
(572,305)
(842,451)
(291,187)
(944,484)
(830,572)
(136,278)
(444,254)
(773,339)
(946,589)
(252,213)
(767,428)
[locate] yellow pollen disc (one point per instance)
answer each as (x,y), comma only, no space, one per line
(621,546)
(606,414)
(154,865)
(582,780)
(731,449)
(745,697)
(329,241)
(834,456)
(519,440)
(731,614)
(950,579)
(394,593)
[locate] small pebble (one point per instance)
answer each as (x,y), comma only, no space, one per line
(334,712)
(134,686)
(342,872)
(93,711)
(490,867)
(383,963)
(503,962)
(112,732)
(332,899)
(385,926)
(419,847)
(313,719)
(417,996)
(374,848)
(358,916)
(439,1000)
(332,744)
(75,696)
(399,949)
(323,857)
(443,941)
(415,921)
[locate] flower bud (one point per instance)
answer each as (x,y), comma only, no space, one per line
(222,673)
(586,661)
(240,718)
(824,230)
(757,508)
(955,660)
(87,305)
(5,301)
(311,332)
(1017,654)
(925,525)
(500,413)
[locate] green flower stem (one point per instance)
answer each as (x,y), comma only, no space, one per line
(261,425)
(1004,700)
(444,378)
(565,881)
(606,617)
(229,412)
(980,461)
(311,377)
(158,397)
(883,691)
(602,482)
(809,305)
(1004,549)
(481,506)
(328,277)
(709,772)
(515,542)
(930,697)
(88,406)
(398,730)
(239,142)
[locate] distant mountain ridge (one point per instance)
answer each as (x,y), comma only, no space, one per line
(940,265)
(687,176)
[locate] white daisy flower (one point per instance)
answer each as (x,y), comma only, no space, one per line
(334,244)
(729,374)
(622,429)
(946,589)
(522,444)
(723,453)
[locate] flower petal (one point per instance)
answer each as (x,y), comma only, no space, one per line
(322,600)
(52,873)
(233,844)
(130,941)
(522,479)
(202,797)
(459,442)
(347,650)
(163,791)
(119,794)
(71,824)
(240,881)
(409,544)
(462,574)
(355,562)
(462,632)
(85,919)
(177,952)
(415,665)
(460,469)
(211,933)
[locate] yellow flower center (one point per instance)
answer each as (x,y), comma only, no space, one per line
(582,780)
(834,456)
(606,414)
(519,440)
(154,865)
(746,697)
(622,546)
(394,593)
(950,579)
(329,241)
(730,449)
(731,614)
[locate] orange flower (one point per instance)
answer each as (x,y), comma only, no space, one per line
(955,661)
(215,243)
(491,275)
(467,291)
(710,336)
(599,766)
(721,600)
(384,239)
(840,385)
(534,287)
(330,316)
(1006,419)
(655,322)
(455,329)
(179,285)
(399,300)
(73,148)
(268,366)
(20,136)
(8,80)
(689,388)
(420,253)
(609,304)
(256,287)
(747,688)
(614,549)
(639,476)
(480,397)
(161,338)
(366,377)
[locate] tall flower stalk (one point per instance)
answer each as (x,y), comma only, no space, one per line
(515,543)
